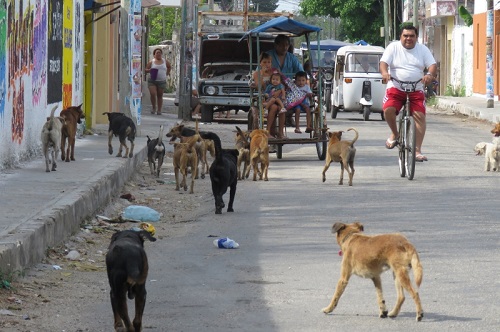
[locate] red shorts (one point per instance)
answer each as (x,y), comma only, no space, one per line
(396,98)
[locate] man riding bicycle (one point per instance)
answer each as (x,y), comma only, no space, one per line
(405,60)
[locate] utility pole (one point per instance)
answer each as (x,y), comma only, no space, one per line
(185,72)
(386,22)
(489,54)
(415,13)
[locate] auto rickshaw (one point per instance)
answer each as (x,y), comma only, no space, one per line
(357,82)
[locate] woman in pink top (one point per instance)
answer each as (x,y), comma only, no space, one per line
(158,70)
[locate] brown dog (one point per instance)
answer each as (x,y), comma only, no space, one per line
(185,156)
(342,152)
(496,130)
(368,256)
(51,139)
(259,152)
(72,117)
(127,267)
(243,146)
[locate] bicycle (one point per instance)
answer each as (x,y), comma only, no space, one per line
(407,133)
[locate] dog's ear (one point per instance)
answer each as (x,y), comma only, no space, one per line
(145,235)
(359,226)
(338,226)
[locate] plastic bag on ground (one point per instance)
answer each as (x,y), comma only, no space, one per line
(140,213)
(226,243)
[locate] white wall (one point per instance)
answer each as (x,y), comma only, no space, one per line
(26,72)
(462,52)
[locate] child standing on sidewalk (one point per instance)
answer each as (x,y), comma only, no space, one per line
(301,83)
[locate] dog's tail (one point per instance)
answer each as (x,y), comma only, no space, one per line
(51,118)
(159,144)
(240,132)
(217,143)
(417,268)
(355,137)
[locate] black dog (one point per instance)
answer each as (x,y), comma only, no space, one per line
(122,126)
(127,266)
(156,151)
(223,173)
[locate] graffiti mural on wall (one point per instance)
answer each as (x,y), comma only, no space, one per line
(54,51)
(78,46)
(39,76)
(68,53)
(3,54)
(20,43)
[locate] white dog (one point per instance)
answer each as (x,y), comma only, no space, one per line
(491,153)
(51,139)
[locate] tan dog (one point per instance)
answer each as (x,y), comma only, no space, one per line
(496,130)
(243,146)
(183,133)
(368,256)
(51,139)
(185,157)
(342,152)
(259,152)
(72,117)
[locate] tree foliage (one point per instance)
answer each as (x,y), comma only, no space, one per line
(162,22)
(360,19)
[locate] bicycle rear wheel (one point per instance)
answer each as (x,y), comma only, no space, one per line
(410,148)
(402,145)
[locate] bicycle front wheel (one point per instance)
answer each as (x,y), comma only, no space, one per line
(402,146)
(410,148)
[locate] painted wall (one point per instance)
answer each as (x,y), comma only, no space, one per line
(41,65)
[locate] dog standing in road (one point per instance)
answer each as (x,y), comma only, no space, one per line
(223,174)
(72,115)
(156,151)
(259,153)
(491,152)
(51,139)
(122,126)
(127,267)
(185,156)
(368,256)
(342,152)
(243,146)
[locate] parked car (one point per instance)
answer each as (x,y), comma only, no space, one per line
(225,70)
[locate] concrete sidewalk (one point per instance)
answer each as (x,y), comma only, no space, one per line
(40,210)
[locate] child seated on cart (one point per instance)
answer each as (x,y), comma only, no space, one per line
(301,83)
(275,93)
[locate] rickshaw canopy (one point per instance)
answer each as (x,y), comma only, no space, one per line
(283,25)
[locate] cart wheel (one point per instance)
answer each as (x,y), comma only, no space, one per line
(321,147)
(366,113)
(334,112)
(279,151)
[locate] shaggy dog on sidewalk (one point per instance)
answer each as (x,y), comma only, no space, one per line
(122,126)
(51,139)
(368,256)
(127,267)
(223,174)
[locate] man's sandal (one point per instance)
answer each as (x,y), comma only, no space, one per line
(391,144)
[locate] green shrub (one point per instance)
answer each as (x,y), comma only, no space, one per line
(455,91)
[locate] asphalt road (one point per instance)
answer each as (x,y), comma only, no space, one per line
(287,266)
